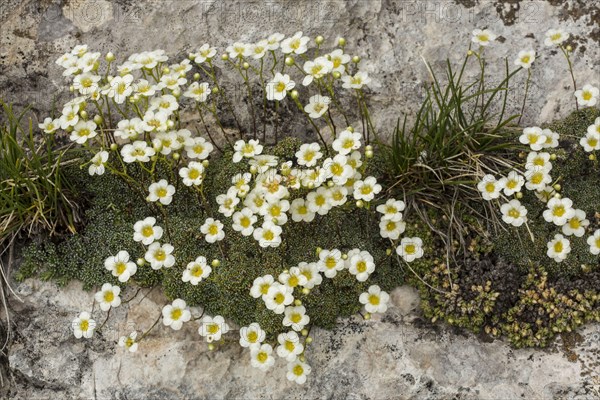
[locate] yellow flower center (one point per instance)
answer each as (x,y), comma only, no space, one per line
(537,178)
(586,95)
(309,155)
(289,346)
(555,37)
(147,231)
(410,249)
(483,37)
(525,59)
(532,138)
(558,247)
(319,107)
(160,255)
(161,192)
(279,298)
(213,230)
(120,267)
(245,222)
(252,336)
(198,148)
(280,87)
(129,342)
(337,169)
(176,314)
(296,318)
(84,325)
(262,357)
(558,211)
(574,223)
(598,242)
(390,226)
(293,281)
(514,213)
(269,235)
(109,296)
(275,211)
(264,288)
(298,370)
(193,173)
(511,184)
(307,274)
(197,271)
(361,266)
(348,143)
(374,299)
(366,189)
(330,262)
(320,200)
(592,142)
(212,329)
(83,132)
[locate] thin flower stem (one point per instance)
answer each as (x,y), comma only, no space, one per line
(106,319)
(149,329)
(566,53)
(525,98)
(206,128)
(313,124)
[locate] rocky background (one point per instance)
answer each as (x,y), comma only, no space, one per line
(397,356)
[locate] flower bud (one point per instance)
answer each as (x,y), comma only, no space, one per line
(211,346)
(388,252)
(344,256)
(319,250)
(519,195)
(109,78)
(253,169)
(309,340)
(305,291)
(310,185)
(470,53)
(367,316)
(176,156)
(166,70)
(215,90)
(245,65)
(592,157)
(110,57)
(356,59)
(368,148)
(294,94)
(553,157)
(557,187)
(83,114)
(302,358)
(176,92)
(154,158)
(196,76)
(297,302)
(330,184)
(98,120)
(319,39)
(191,56)
(114,146)
(289,61)
(341,42)
(141,262)
(360,204)
(569,48)
(71,88)
(557,196)
(170,124)
(225,57)
(205,163)
(304,332)
(215,263)
(337,74)
(369,154)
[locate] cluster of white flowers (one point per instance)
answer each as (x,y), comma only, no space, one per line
(559,210)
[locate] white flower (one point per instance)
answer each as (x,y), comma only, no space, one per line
(278,297)
(537,178)
(330,262)
(212,328)
(338,169)
(213,230)
(196,271)
(296,44)
(512,183)
(289,346)
(587,96)
(594,128)
(559,211)
(483,37)
(367,189)
(514,213)
(375,300)
(145,88)
(161,191)
(410,248)
(346,142)
(311,272)
(534,137)
(278,87)
(146,232)
(357,81)
(97,163)
(309,154)
(268,235)
(137,151)
(489,187)
(83,326)
(590,142)
(339,60)
(391,229)
(129,129)
(155,121)
(166,103)
(166,142)
(545,194)
(205,52)
(238,49)
(317,106)
(312,178)
(316,69)
(184,137)
(297,371)
(576,224)
(227,202)
(120,88)
(273,41)
(69,117)
(361,265)
(296,318)
(193,174)
(175,314)
(538,161)
(256,202)
(258,50)
(198,148)
(293,278)
(49,125)
(338,195)
(262,357)
(276,212)
(594,242)
(120,266)
(550,139)
(173,81)
(182,68)
(555,37)
(300,211)
(261,285)
(240,183)
(160,256)
(525,58)
(246,150)
(83,131)
(558,248)
(129,342)
(263,162)
(252,335)
(108,297)
(243,221)
(86,83)
(198,91)
(391,210)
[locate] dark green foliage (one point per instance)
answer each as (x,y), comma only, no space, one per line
(115,207)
